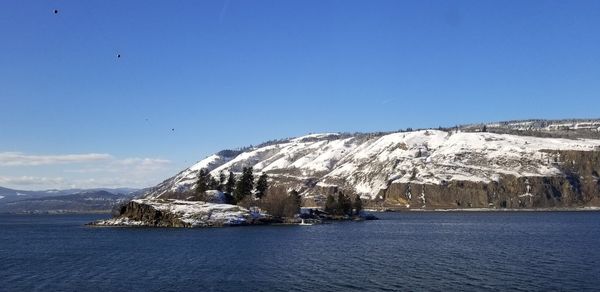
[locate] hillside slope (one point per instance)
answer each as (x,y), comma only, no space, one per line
(473,168)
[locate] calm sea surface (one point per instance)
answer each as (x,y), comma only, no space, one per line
(404,251)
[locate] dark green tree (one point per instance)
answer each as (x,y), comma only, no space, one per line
(358,205)
(230,185)
(202,183)
(330,204)
(222,179)
(245,185)
(213,183)
(262,185)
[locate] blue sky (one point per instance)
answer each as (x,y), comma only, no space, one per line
(225,74)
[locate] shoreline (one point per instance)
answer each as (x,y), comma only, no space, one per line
(574,209)
(383,210)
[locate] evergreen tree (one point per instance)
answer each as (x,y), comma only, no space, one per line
(213,184)
(230,185)
(262,185)
(202,182)
(330,204)
(244,186)
(222,179)
(358,205)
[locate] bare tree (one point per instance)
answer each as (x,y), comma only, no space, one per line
(279,204)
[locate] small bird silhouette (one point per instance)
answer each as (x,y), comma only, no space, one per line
(118,55)
(173,130)
(55,11)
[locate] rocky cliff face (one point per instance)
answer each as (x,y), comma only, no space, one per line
(146,213)
(577,185)
(422,169)
(178,213)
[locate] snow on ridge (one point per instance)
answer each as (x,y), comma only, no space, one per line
(315,136)
(370,163)
(206,162)
(186,178)
(544,125)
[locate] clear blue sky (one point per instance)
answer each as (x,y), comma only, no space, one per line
(231,73)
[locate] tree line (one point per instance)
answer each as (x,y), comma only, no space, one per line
(277,201)
(240,190)
(237,189)
(343,206)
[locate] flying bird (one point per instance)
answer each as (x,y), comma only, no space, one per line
(55,11)
(118,55)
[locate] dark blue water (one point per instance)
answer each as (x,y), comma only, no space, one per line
(405,251)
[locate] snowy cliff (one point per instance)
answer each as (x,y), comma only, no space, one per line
(369,164)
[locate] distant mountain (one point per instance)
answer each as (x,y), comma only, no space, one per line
(515,164)
(63,201)
(7,194)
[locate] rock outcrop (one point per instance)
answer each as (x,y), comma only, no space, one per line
(177,213)
(578,185)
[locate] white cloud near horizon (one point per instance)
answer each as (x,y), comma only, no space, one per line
(29,183)
(32,181)
(144,164)
(91,170)
(21,159)
(138,165)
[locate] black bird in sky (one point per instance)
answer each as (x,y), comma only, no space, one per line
(55,11)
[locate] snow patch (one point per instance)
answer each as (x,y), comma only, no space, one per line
(198,213)
(369,163)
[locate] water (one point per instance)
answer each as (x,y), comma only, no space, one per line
(404,251)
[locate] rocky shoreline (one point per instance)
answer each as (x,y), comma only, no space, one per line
(179,213)
(192,214)
(562,209)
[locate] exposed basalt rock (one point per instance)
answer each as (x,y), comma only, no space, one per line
(577,186)
(149,215)
(183,213)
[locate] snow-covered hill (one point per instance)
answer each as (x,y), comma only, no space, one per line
(368,163)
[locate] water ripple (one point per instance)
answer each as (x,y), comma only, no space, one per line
(406,251)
